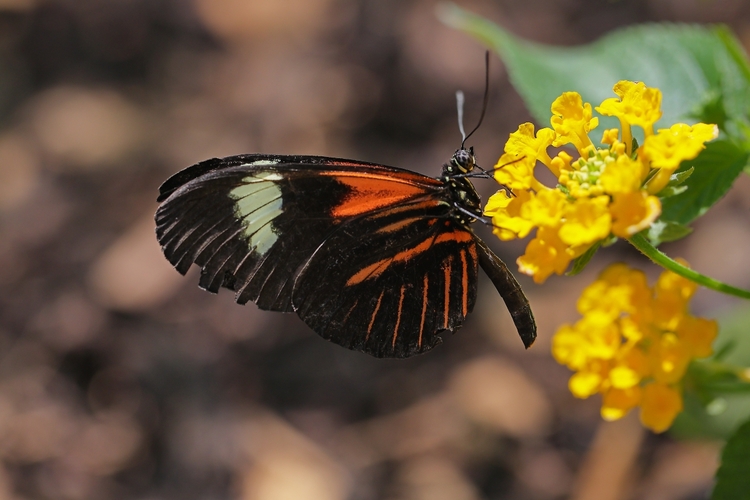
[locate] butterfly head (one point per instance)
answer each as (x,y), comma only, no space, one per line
(463,161)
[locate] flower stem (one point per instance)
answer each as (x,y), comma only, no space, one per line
(641,243)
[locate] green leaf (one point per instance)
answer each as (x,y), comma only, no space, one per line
(711,110)
(701,71)
(661,231)
(716,168)
(698,421)
(734,86)
(580,262)
(670,191)
(679,177)
(734,331)
(733,476)
(724,349)
(673,187)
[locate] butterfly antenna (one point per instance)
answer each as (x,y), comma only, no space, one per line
(484,104)
(460,105)
(499,167)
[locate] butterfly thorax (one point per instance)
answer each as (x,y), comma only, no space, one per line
(468,206)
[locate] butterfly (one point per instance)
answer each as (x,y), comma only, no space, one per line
(375,258)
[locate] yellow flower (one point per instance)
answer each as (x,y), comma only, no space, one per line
(624,377)
(674,284)
(610,136)
(584,384)
(568,349)
(601,194)
(524,142)
(672,294)
(631,329)
(591,338)
(505,213)
(544,208)
(624,350)
(604,298)
(525,148)
(660,405)
(637,105)
(602,339)
(545,254)
(619,289)
(515,172)
(586,221)
(616,403)
(633,212)
(669,358)
(635,361)
(623,175)
(669,147)
(698,335)
(560,165)
(572,121)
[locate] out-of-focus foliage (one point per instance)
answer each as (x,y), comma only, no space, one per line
(732,480)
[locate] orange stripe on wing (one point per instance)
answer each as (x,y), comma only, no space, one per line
(372,319)
(366,172)
(411,206)
(392,228)
(371,191)
(371,271)
(346,317)
(379,267)
(398,318)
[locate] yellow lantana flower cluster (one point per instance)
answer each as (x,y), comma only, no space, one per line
(634,343)
(605,191)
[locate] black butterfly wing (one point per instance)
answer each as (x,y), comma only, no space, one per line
(369,256)
(251,221)
(389,283)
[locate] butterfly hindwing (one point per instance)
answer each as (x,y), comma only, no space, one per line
(389,285)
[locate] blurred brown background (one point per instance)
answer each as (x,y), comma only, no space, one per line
(120,379)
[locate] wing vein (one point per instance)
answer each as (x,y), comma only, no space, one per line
(398,317)
(447,271)
(424,309)
(374,313)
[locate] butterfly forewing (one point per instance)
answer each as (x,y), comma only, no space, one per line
(251,221)
(236,225)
